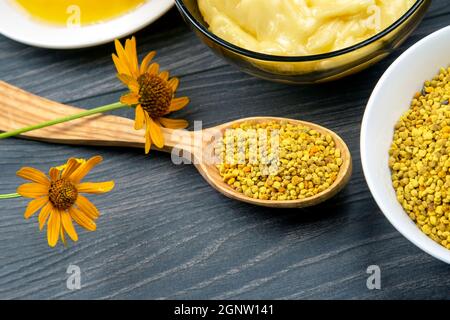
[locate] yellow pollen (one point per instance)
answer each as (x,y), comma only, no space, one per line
(62,194)
(155,95)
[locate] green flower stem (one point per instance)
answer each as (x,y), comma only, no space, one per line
(86,113)
(9,196)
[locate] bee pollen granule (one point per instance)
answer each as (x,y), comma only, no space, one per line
(419,159)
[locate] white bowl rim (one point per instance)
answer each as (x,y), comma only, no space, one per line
(363,145)
(35,33)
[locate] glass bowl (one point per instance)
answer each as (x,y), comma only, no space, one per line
(312,68)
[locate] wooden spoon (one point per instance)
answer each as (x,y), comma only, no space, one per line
(19,109)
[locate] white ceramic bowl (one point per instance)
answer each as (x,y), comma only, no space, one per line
(390,99)
(17,25)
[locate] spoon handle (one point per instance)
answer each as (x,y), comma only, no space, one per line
(19,109)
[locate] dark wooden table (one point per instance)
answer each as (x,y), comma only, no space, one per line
(164,232)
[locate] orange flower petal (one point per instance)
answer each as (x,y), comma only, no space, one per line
(54,174)
(133,86)
(87,207)
(66,221)
(34,206)
(44,214)
(173,83)
(124,78)
(130,49)
(164,75)
(148,142)
(84,169)
(32,190)
(120,66)
(81,219)
(130,99)
(146,61)
(123,57)
(148,138)
(95,187)
(33,175)
(119,49)
(174,123)
(178,103)
(63,237)
(72,165)
(156,134)
(140,118)
(53,228)
(154,68)
(129,81)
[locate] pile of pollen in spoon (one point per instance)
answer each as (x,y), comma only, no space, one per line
(277,160)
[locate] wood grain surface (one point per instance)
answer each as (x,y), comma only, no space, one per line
(164,232)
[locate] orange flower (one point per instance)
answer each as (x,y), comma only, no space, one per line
(151,91)
(59,197)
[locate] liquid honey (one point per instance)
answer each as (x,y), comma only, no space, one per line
(73,12)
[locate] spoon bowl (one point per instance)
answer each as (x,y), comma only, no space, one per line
(20,109)
(211,173)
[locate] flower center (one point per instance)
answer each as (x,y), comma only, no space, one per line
(155,95)
(62,194)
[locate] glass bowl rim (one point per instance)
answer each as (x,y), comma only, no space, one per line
(274,58)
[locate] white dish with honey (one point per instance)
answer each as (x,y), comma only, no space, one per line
(66,24)
(391,98)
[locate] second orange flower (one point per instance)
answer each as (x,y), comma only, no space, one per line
(151,91)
